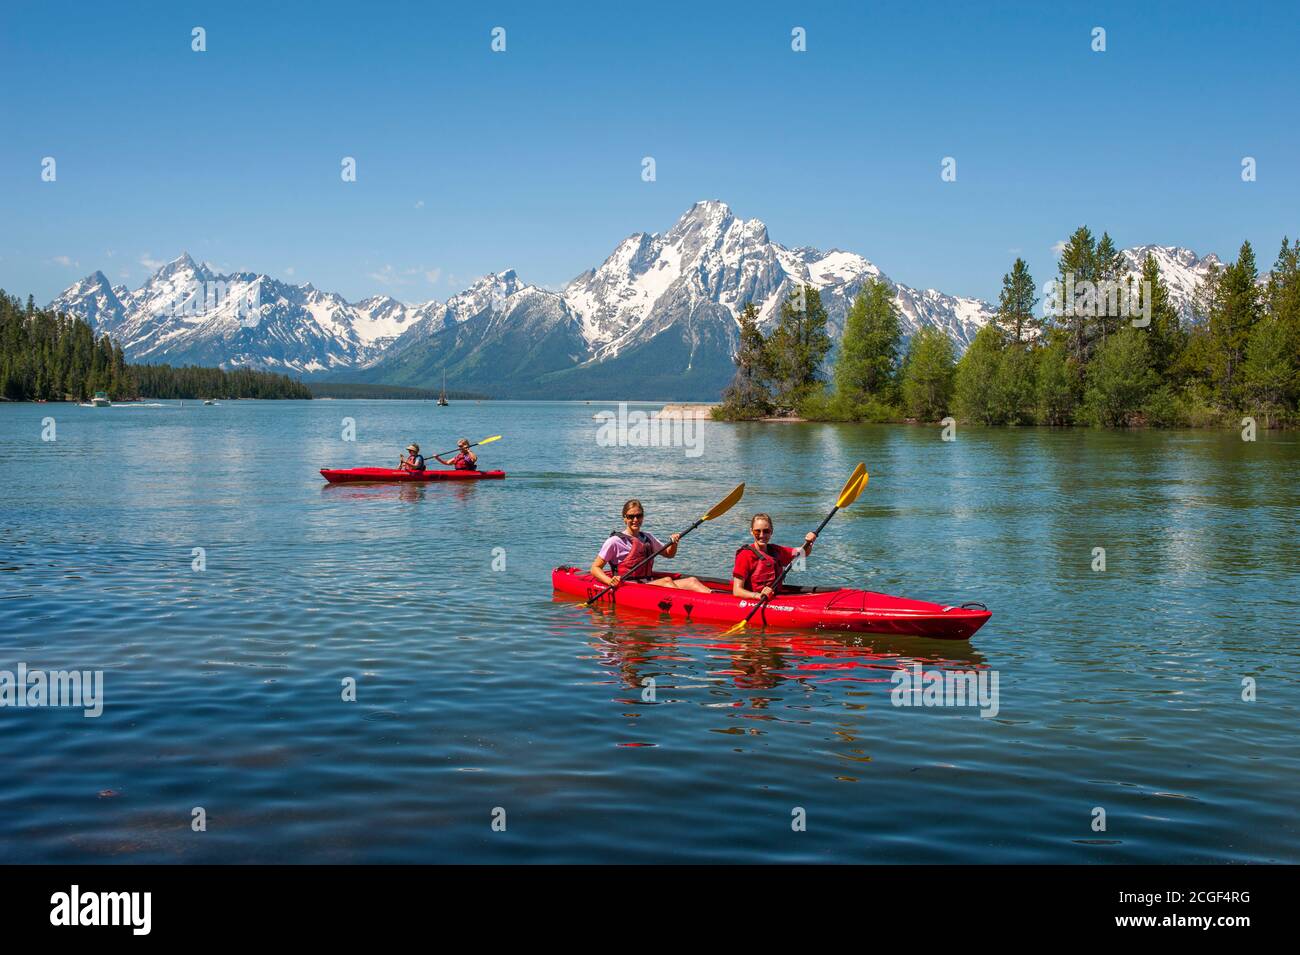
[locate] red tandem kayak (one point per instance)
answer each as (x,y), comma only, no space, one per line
(358,475)
(799,608)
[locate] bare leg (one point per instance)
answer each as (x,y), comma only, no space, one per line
(683,583)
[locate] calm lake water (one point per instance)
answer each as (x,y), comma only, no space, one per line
(478,690)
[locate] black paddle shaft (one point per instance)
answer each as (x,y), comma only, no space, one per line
(644,560)
(776,584)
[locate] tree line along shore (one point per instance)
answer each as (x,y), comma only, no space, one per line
(1238,353)
(46,356)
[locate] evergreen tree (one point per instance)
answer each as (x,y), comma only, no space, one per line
(797,347)
(1234,311)
(1015,315)
(1269,373)
(975,393)
(866,366)
(1014,387)
(1164,334)
(1283,304)
(1119,379)
(1077,265)
(1109,269)
(927,375)
(748,397)
(1057,382)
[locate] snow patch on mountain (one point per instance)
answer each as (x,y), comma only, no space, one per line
(687,286)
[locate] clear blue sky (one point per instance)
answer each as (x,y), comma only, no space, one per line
(470,161)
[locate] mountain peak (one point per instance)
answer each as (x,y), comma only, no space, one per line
(705,212)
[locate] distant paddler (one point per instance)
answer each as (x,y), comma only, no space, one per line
(414,460)
(465,459)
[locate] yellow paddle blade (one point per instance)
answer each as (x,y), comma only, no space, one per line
(850,491)
(857,489)
(495,437)
(736,629)
(726,504)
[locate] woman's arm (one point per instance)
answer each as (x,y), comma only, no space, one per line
(598,571)
(671,550)
(738,590)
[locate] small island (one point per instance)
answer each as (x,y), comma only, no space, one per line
(1109,349)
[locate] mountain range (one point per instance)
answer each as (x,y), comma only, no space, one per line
(657,319)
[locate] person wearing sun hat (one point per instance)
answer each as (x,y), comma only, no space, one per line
(414,460)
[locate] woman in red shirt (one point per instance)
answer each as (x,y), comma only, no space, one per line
(760,563)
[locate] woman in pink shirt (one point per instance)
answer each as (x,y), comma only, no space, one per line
(624,551)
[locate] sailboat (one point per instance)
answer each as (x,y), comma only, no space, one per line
(442,397)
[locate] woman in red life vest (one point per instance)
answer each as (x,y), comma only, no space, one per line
(465,459)
(414,460)
(759,564)
(623,551)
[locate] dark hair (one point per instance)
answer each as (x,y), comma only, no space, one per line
(760,516)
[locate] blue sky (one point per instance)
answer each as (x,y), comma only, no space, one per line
(470,161)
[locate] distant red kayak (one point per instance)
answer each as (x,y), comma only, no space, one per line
(373,475)
(797,608)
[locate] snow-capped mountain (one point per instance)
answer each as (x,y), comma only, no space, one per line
(712,257)
(657,319)
(95,300)
(659,316)
(1182,270)
(189,313)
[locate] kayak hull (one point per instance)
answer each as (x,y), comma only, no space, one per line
(798,608)
(390,475)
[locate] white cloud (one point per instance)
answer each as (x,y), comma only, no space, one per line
(1059,247)
(433,275)
(150,263)
(386,276)
(66,261)
(288,270)
(419,204)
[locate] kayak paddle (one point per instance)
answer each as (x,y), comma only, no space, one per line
(726,504)
(495,437)
(848,494)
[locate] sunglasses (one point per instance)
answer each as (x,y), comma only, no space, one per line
(761,532)
(633,517)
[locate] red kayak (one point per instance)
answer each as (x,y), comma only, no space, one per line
(798,608)
(359,475)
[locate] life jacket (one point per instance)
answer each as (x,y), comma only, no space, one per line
(462,462)
(414,462)
(641,548)
(764,571)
